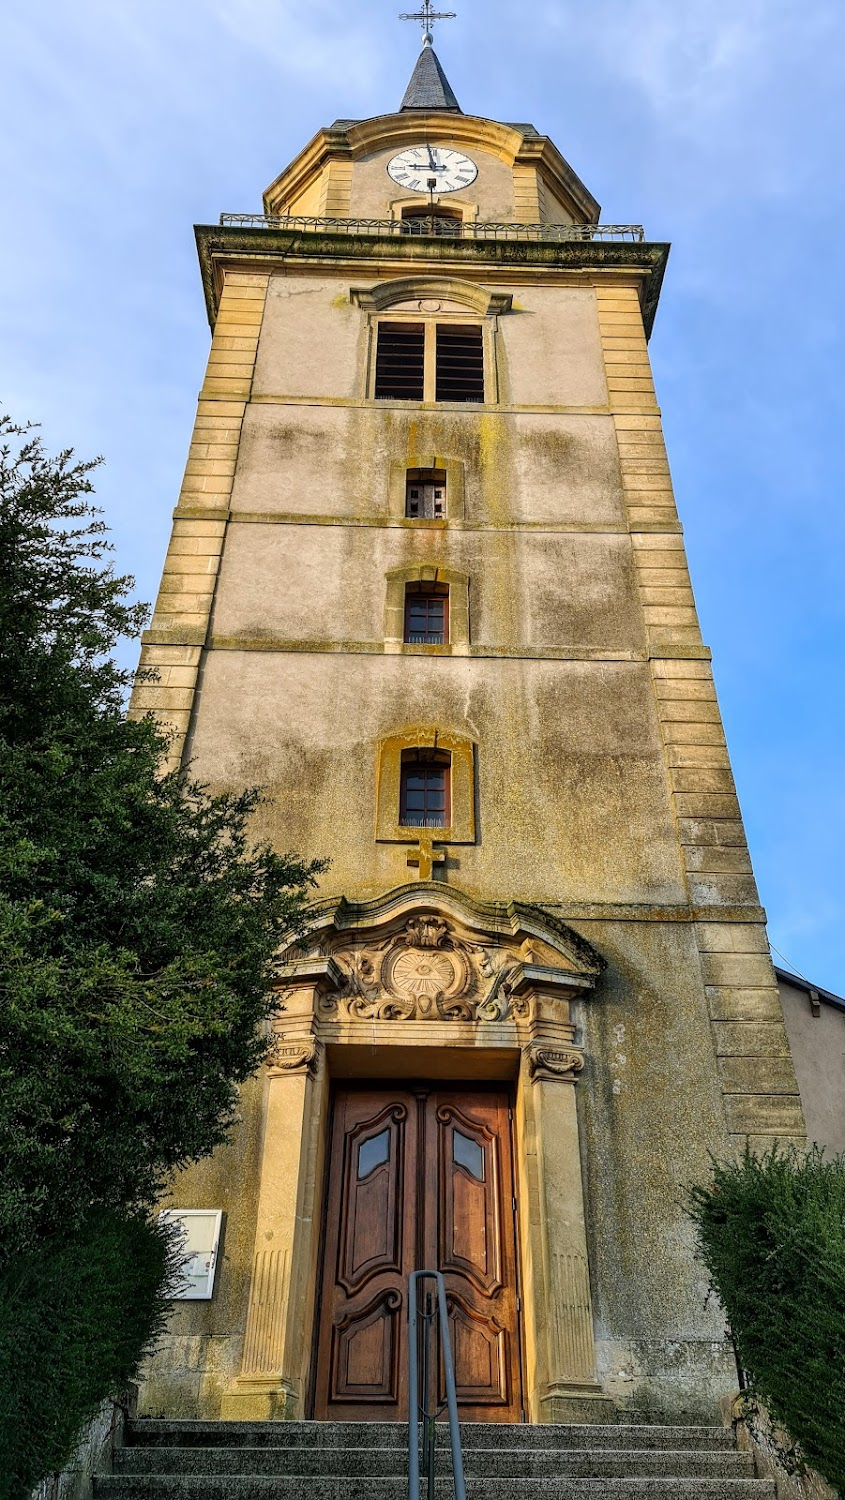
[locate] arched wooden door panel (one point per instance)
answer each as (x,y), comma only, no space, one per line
(472,1242)
(417,1177)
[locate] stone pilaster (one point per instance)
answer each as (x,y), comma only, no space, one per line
(271,1383)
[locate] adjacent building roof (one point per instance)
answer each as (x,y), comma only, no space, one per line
(826,996)
(429,87)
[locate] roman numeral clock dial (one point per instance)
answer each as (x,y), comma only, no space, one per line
(415,168)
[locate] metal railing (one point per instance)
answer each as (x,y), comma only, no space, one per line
(422,1374)
(438,228)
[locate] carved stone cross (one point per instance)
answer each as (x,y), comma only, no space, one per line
(425,856)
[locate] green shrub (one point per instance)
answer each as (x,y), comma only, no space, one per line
(76,1317)
(772,1235)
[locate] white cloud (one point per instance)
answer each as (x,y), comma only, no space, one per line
(699,61)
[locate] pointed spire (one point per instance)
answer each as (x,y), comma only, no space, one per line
(429,87)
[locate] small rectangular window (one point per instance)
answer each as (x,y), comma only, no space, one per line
(425,494)
(460,363)
(426,616)
(425,790)
(400,361)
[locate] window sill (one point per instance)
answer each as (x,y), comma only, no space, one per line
(406,648)
(396,403)
(402,835)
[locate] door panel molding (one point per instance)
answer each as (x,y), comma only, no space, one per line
(415,1197)
(370,1238)
(365,1352)
(470,1219)
(480,1349)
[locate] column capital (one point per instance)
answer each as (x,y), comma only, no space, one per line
(292,1056)
(549,1063)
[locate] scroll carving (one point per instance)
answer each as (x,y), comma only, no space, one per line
(425,972)
(554,1063)
(295,1057)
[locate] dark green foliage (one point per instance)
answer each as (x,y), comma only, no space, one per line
(138,927)
(75,1316)
(772,1235)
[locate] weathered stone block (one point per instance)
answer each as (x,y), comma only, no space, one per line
(765,1114)
(753,969)
(732,937)
(723,889)
(750,1039)
(706,804)
(709,831)
(758,1075)
(696,732)
(715,756)
(701,779)
(710,859)
(731,1003)
(689,710)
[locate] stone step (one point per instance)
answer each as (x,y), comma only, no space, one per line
(271,1487)
(189,1434)
(388,1463)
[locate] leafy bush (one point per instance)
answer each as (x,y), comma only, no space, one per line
(76,1317)
(772,1235)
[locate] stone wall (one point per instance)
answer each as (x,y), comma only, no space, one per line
(94,1454)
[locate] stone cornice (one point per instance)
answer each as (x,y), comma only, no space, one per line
(385,131)
(387,293)
(540,151)
(325,146)
(227,246)
(505,918)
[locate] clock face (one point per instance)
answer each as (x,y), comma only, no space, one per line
(415,168)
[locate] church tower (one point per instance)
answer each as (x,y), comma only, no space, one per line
(427,587)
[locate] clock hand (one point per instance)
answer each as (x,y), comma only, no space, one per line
(431,161)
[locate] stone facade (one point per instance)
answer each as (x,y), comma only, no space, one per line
(599,940)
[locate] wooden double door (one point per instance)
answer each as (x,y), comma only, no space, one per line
(418,1178)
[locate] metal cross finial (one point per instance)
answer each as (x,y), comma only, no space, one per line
(427,17)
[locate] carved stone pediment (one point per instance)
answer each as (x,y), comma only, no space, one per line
(421,954)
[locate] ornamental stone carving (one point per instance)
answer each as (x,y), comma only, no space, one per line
(554,1063)
(424,972)
(428,971)
(418,954)
(295,1057)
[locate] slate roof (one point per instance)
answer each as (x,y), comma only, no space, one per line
(826,996)
(429,87)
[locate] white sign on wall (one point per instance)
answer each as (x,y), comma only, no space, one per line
(198,1237)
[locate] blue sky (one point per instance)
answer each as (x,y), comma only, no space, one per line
(716,123)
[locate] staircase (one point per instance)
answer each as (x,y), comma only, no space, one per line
(339,1461)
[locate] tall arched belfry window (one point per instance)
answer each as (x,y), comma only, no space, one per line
(446,355)
(425,789)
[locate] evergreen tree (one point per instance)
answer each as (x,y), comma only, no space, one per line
(138,919)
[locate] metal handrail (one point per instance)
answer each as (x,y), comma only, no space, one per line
(419,1408)
(471,229)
